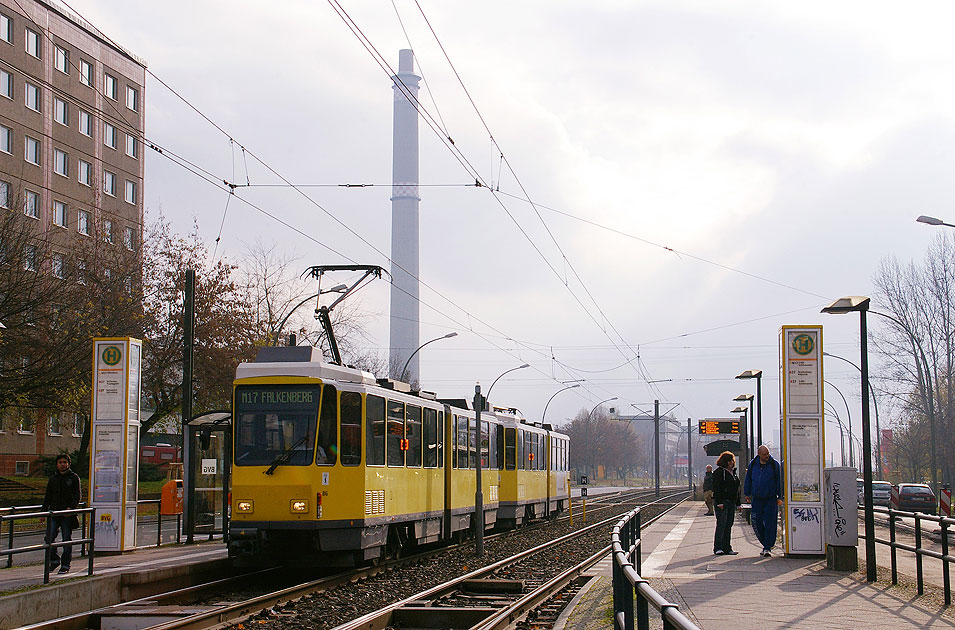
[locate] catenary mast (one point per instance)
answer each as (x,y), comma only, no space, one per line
(404,221)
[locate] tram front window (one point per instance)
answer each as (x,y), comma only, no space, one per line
(275,423)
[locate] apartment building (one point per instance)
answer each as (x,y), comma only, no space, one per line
(72,112)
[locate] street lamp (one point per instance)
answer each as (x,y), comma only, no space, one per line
(478,493)
(745,445)
(842,432)
(860,304)
(852,459)
(758,375)
(933,221)
(401,374)
(552,398)
(752,434)
(875,406)
(341,288)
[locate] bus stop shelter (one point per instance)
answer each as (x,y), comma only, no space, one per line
(207,458)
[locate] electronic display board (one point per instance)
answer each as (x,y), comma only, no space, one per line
(719,427)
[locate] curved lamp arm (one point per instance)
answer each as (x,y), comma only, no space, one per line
(401,374)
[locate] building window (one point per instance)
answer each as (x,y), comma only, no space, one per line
(83,222)
(109,135)
(6,139)
(33,43)
(132,98)
(59,266)
(59,213)
(86,123)
(86,73)
(108,231)
(32,97)
(132,149)
(130,192)
(6,29)
(53,424)
(109,183)
(109,86)
(21,468)
(6,84)
(31,204)
(129,238)
(61,59)
(79,424)
(4,194)
(32,150)
(85,170)
(61,111)
(81,271)
(29,258)
(61,162)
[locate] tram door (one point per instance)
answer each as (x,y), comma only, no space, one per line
(208,459)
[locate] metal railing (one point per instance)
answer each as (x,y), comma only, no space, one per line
(627,560)
(47,547)
(27,509)
(159,515)
(919,551)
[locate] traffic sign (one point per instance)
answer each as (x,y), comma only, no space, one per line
(583,492)
(583,480)
(719,427)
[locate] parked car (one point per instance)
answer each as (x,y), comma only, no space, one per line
(881,493)
(916,497)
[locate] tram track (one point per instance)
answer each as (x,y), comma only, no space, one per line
(218,601)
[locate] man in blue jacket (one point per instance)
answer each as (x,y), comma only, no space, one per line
(763,489)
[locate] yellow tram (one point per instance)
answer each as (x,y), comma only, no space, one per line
(332,467)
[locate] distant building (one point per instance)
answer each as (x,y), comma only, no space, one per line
(72,106)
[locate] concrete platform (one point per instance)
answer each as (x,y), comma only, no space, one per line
(747,591)
(24,599)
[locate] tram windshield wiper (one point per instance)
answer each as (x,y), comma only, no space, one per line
(286,455)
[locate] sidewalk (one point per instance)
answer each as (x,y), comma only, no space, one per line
(747,591)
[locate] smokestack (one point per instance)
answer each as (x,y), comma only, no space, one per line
(405,335)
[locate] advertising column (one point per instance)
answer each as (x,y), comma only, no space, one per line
(803,438)
(114,447)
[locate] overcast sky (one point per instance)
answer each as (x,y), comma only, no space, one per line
(779,151)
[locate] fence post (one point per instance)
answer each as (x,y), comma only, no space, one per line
(89,571)
(83,534)
(10,540)
(918,554)
(179,528)
(643,606)
(946,579)
(46,547)
(159,533)
(895,571)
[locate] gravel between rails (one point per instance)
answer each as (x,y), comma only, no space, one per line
(331,608)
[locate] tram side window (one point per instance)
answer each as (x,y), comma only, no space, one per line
(534,459)
(461,441)
(509,448)
(485,444)
(327,452)
(430,435)
(440,435)
(396,433)
(375,430)
(520,450)
(540,453)
(495,463)
(351,428)
(414,436)
(472,442)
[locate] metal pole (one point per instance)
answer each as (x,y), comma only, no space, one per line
(759,407)
(870,568)
(752,431)
(689,457)
(478,493)
(188,342)
(656,446)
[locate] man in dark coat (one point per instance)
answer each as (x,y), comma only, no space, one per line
(62,493)
(708,491)
(763,489)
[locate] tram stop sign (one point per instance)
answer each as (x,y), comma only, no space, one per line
(583,492)
(583,480)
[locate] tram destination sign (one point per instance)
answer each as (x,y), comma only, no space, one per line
(719,427)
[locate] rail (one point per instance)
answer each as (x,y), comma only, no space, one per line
(627,560)
(919,551)
(47,546)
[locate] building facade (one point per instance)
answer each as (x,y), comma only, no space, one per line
(72,112)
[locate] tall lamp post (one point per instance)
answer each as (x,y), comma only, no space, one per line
(478,493)
(401,374)
(590,416)
(745,445)
(543,415)
(860,304)
(852,459)
(875,407)
(758,375)
(752,434)
(933,221)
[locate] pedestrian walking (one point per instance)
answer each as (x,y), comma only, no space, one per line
(62,493)
(708,490)
(726,499)
(763,490)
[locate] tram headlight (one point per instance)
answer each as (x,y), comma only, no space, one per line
(298,506)
(243,506)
